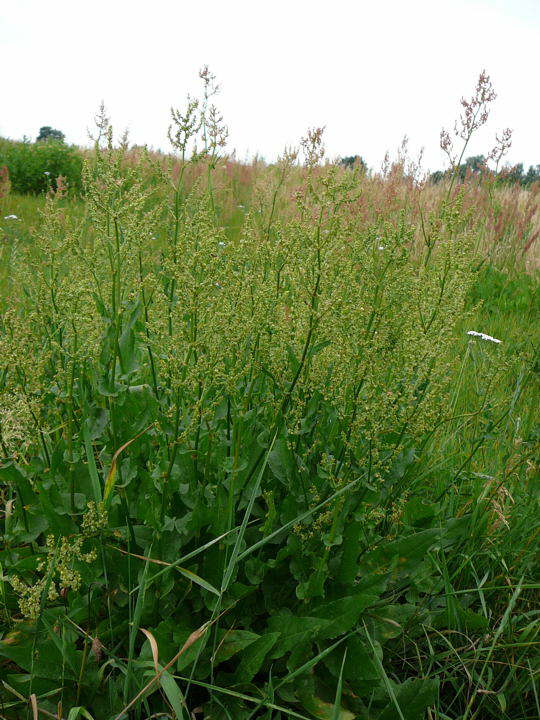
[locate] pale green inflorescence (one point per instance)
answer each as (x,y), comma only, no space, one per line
(58,574)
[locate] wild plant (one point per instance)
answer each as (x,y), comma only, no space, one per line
(258,470)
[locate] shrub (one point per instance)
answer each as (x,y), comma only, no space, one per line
(33,167)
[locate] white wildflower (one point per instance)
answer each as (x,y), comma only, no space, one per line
(483,336)
(10,217)
(46,172)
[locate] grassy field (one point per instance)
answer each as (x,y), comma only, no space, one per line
(253,464)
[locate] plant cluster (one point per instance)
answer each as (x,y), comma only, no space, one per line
(34,168)
(253,466)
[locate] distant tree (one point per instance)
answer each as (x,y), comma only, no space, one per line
(49,133)
(533,175)
(478,164)
(437,176)
(352,161)
(512,175)
(475,164)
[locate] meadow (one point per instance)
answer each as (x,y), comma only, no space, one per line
(253,462)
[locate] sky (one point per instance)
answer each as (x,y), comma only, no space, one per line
(370,71)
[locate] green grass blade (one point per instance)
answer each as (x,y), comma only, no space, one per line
(92,469)
(336,712)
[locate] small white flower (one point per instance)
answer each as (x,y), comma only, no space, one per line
(221,243)
(381,247)
(10,217)
(46,172)
(483,336)
(241,207)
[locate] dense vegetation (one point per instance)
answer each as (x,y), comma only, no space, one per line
(32,167)
(254,464)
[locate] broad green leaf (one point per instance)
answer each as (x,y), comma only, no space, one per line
(79,711)
(92,469)
(127,340)
(111,476)
(173,693)
(309,664)
(342,614)
(232,641)
(281,461)
(47,664)
(350,550)
(400,556)
(324,710)
(360,669)
(377,656)
(467,620)
(288,713)
(253,656)
(193,577)
(389,621)
(294,631)
(413,696)
(58,522)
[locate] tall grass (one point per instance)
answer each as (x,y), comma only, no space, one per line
(252,463)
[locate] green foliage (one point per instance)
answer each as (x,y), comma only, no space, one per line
(507,295)
(262,469)
(35,167)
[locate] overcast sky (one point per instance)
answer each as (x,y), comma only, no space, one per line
(371,71)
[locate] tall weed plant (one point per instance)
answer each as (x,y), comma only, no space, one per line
(241,474)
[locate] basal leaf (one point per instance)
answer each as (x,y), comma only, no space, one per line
(294,631)
(253,656)
(342,614)
(413,696)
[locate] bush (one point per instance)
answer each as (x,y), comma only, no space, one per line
(33,167)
